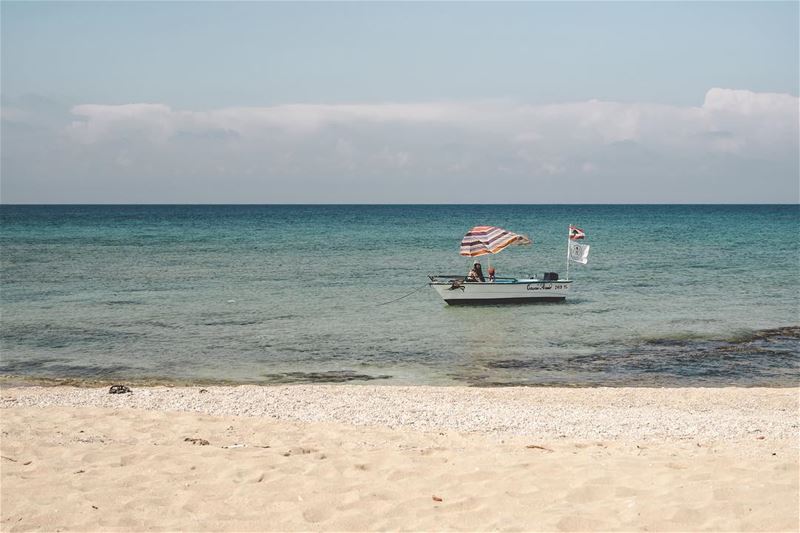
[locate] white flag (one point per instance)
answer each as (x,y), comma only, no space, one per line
(579,252)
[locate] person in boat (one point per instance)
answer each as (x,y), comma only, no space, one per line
(476,274)
(491,274)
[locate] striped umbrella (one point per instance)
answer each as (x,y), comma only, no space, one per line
(482,240)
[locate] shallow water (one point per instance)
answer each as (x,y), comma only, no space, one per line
(692,295)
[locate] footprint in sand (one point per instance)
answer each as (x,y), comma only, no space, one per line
(677,466)
(578,523)
(315,515)
(127,460)
(587,494)
(299,450)
(625,492)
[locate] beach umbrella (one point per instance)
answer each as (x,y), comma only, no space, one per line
(483,240)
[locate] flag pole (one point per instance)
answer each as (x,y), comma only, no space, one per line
(568,253)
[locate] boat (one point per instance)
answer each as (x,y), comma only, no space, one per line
(456,291)
(490,240)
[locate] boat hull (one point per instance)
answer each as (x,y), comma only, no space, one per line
(516,292)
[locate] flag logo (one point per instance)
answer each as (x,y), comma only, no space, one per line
(579,253)
(576,233)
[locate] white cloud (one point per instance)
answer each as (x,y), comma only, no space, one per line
(154,121)
(728,121)
(597,147)
(158,121)
(13,114)
(749,102)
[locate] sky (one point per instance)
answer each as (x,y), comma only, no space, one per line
(383,102)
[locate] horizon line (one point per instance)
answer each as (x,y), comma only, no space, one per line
(10,204)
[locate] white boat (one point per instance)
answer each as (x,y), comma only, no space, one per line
(485,240)
(455,290)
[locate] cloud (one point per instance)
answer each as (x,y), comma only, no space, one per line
(155,122)
(748,120)
(158,122)
(599,148)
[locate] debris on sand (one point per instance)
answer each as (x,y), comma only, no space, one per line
(537,447)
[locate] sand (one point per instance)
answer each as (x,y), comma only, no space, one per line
(352,458)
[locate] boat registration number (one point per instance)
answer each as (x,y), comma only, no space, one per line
(546,286)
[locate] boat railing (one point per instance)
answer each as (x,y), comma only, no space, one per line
(446,278)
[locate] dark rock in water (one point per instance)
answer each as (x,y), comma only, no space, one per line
(332,376)
(510,363)
(766,358)
(787,332)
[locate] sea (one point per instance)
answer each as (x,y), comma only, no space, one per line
(672,295)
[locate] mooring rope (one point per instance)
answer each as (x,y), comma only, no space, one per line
(404,296)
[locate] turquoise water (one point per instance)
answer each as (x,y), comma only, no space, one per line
(671,295)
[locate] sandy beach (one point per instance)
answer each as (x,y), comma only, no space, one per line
(354,458)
